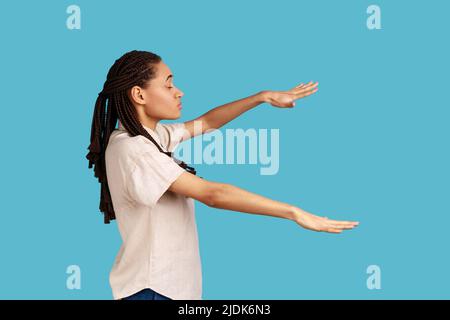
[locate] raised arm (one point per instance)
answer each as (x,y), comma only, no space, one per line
(219,116)
(226,196)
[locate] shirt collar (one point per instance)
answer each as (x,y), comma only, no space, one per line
(151,131)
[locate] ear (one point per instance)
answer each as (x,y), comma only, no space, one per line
(137,95)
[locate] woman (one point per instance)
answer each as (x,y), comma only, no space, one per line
(151,194)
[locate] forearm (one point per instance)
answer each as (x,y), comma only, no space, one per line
(219,116)
(230,197)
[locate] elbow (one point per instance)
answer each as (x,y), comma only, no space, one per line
(216,195)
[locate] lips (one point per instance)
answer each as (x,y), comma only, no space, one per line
(180,106)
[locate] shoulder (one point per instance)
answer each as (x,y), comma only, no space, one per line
(170,126)
(122,145)
(171,134)
(168,130)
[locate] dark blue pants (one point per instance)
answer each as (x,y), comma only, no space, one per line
(146,294)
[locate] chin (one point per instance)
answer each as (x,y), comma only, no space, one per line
(173,117)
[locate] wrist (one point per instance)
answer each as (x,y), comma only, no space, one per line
(264,96)
(295,213)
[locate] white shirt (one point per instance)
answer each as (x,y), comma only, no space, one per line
(158,228)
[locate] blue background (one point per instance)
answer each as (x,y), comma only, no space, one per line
(371,145)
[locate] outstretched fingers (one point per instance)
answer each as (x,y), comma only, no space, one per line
(334,230)
(345,226)
(306,86)
(335,225)
(304,90)
(300,86)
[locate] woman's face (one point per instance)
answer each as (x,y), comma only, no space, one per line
(161,99)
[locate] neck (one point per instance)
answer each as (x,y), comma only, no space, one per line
(149,123)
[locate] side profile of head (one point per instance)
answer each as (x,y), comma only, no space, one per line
(138,91)
(158,98)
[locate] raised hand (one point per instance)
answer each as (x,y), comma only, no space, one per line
(286,99)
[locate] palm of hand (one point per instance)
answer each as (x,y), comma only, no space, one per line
(286,99)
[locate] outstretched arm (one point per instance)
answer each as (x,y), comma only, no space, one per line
(227,196)
(219,116)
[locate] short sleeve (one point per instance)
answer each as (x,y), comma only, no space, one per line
(175,133)
(151,176)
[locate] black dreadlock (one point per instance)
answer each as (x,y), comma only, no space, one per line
(134,68)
